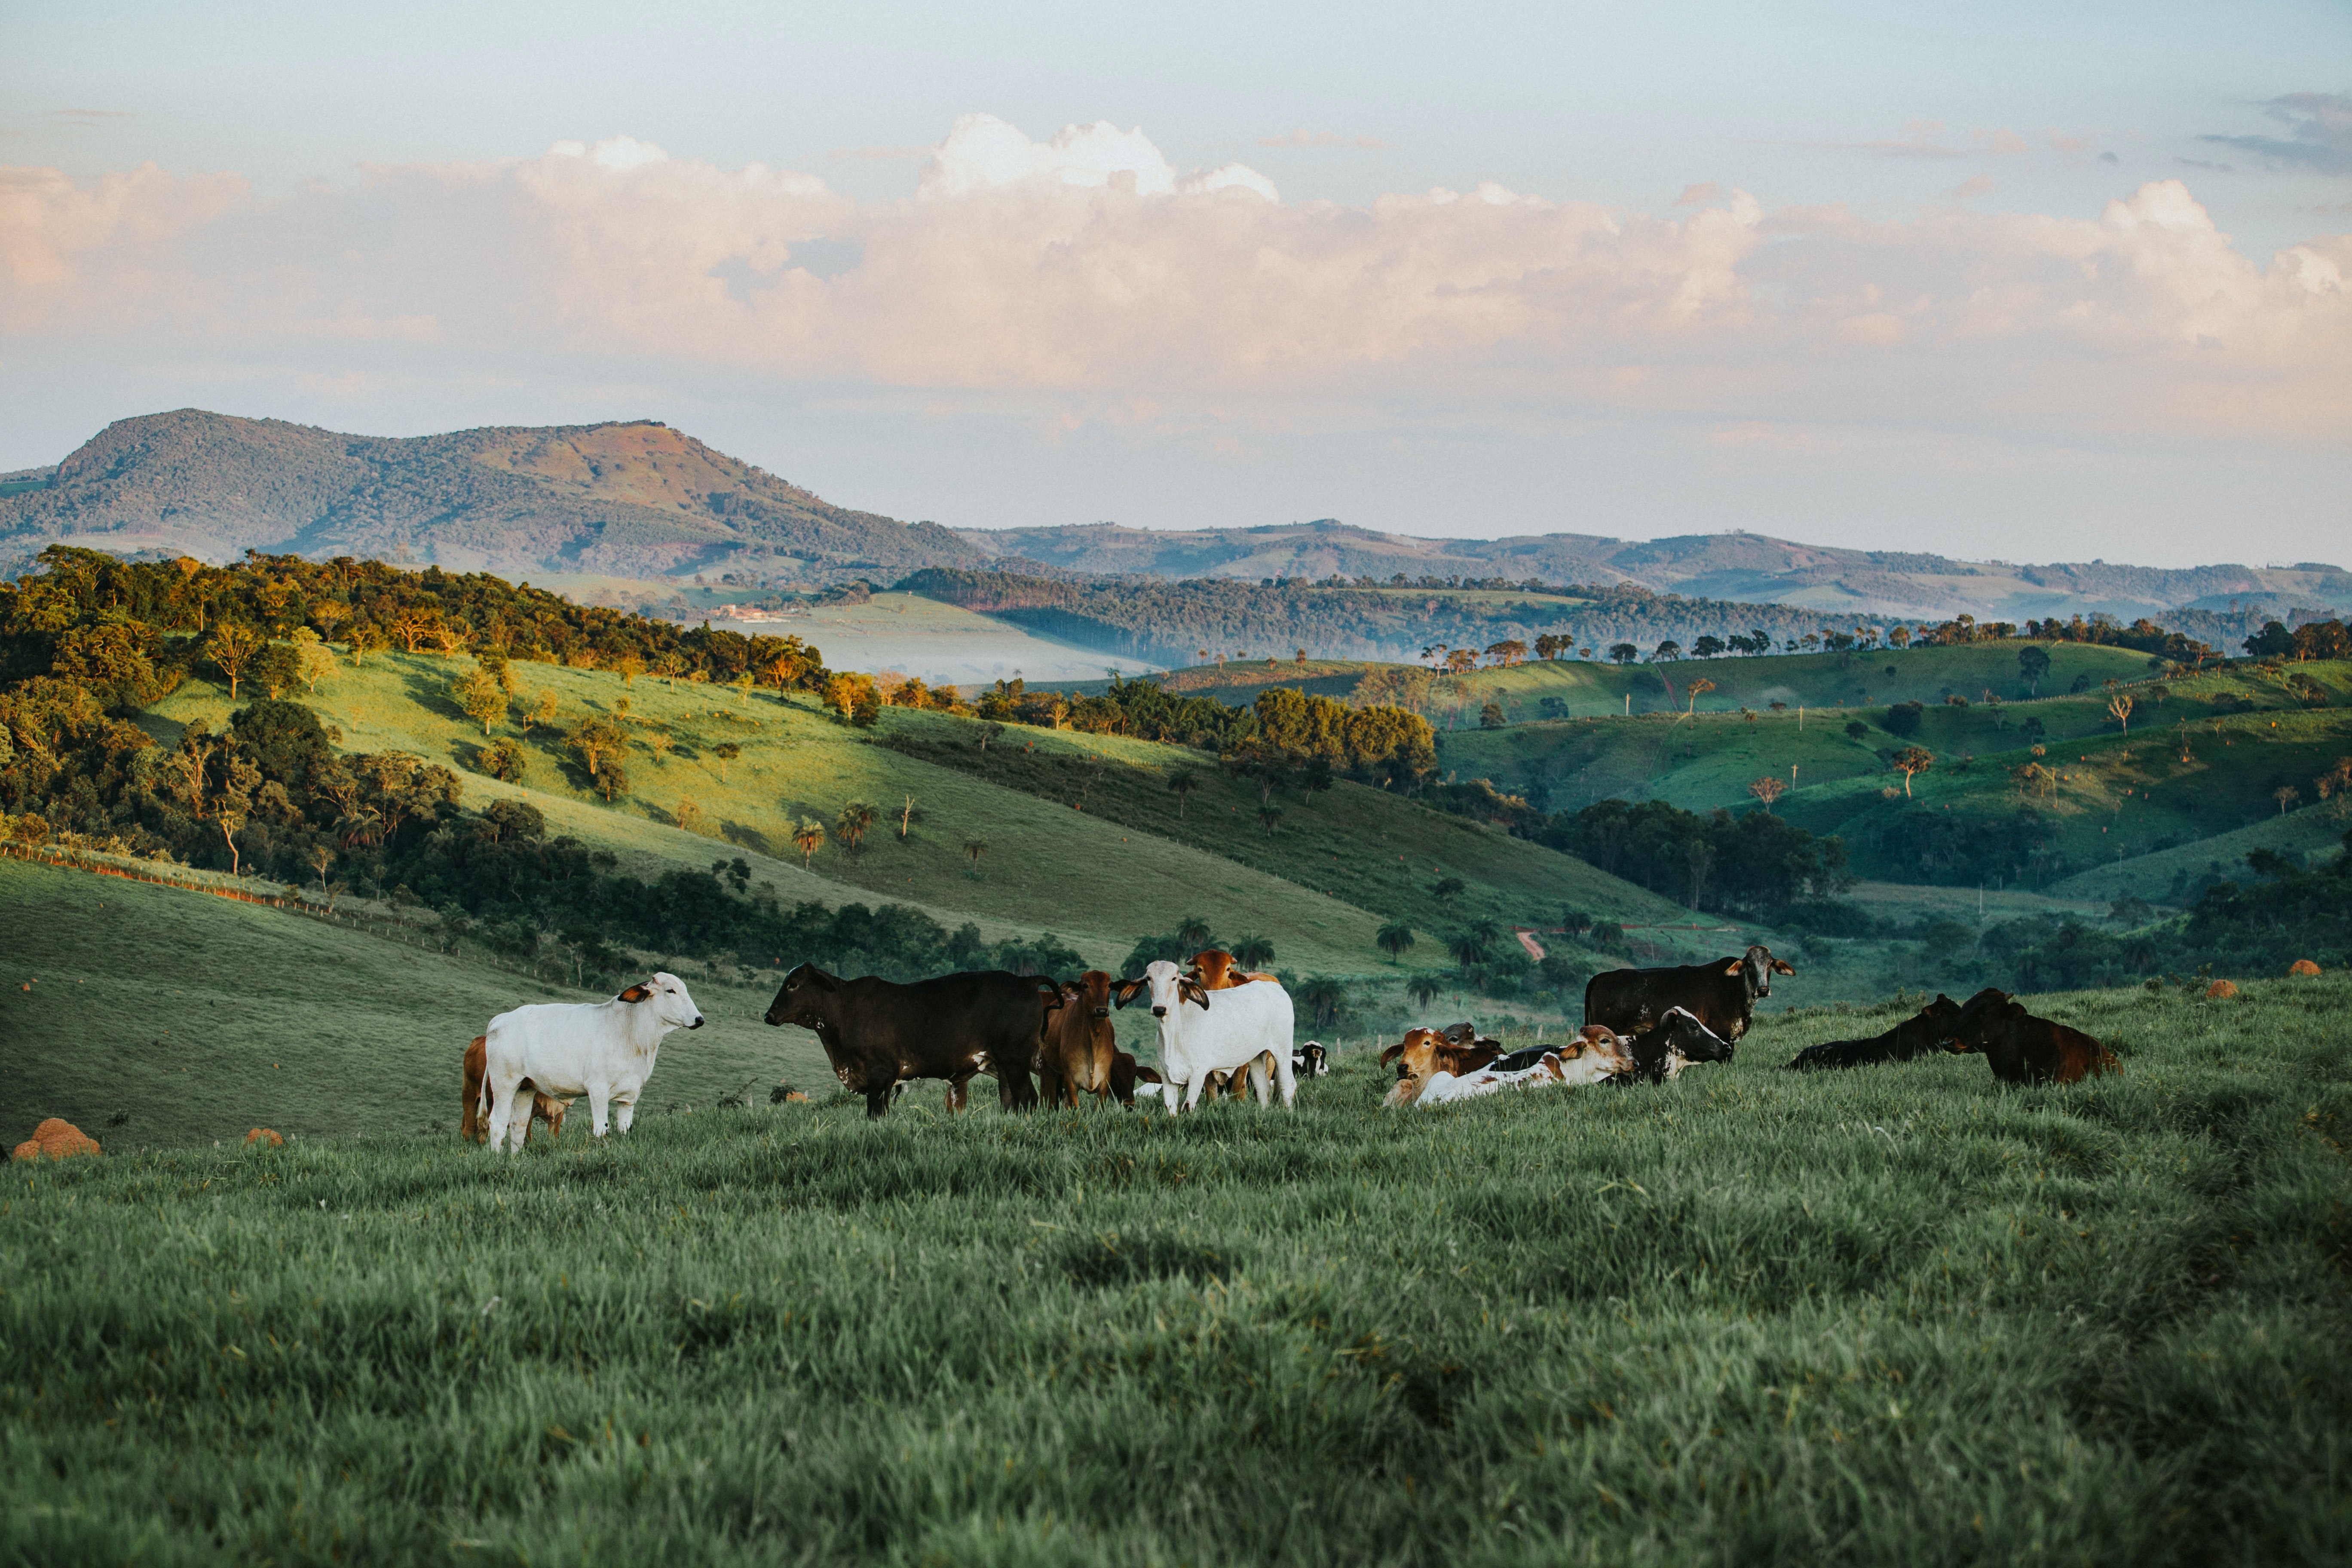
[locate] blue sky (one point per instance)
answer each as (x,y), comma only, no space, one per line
(1927,333)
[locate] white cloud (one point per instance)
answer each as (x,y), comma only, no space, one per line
(1086,273)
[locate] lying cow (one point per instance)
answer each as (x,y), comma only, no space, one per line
(474,1128)
(1660,1053)
(1721,994)
(1197,1039)
(878,1034)
(605,1050)
(1445,1050)
(2023,1048)
(1594,1056)
(1928,1030)
(1073,1056)
(1127,1079)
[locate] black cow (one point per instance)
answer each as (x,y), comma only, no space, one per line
(1721,994)
(1310,1060)
(1934,1026)
(877,1033)
(1663,1050)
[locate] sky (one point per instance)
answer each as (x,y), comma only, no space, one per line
(2010,281)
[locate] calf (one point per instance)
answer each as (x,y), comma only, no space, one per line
(1660,1053)
(1929,1028)
(1310,1060)
(605,1050)
(1721,995)
(1594,1056)
(1446,1052)
(2023,1048)
(877,1033)
(1216,969)
(1196,1040)
(1127,1079)
(1073,1056)
(472,1126)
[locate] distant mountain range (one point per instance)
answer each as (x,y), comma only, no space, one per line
(1733,565)
(640,500)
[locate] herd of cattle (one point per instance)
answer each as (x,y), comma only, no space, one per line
(1221,1031)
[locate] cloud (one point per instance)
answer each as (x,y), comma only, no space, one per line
(1974,185)
(1696,195)
(2002,143)
(2063,144)
(1302,137)
(2319,134)
(1921,139)
(1082,274)
(880,154)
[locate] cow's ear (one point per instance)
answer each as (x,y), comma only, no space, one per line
(1782,966)
(1734,967)
(1193,990)
(637,993)
(1124,992)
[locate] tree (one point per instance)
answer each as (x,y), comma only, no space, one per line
(1490,716)
(480,697)
(726,752)
(808,837)
(313,660)
(906,818)
(1699,689)
(852,824)
(1423,988)
(1324,1000)
(1181,782)
(1857,731)
(233,805)
(1623,653)
(1902,718)
(2121,707)
(1269,816)
(1395,938)
(2032,664)
(1192,934)
(975,847)
(505,760)
(1707,647)
(232,648)
(1253,952)
(321,857)
(598,741)
(1448,889)
(1912,760)
(2286,795)
(742,683)
(1667,653)
(1471,945)
(1768,788)
(690,813)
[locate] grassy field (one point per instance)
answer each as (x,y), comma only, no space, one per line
(1895,1316)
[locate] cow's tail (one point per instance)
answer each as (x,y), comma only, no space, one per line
(482,1096)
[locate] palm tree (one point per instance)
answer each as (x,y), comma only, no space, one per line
(1192,934)
(975,847)
(1324,998)
(1253,952)
(852,824)
(1423,987)
(1394,939)
(1448,889)
(808,837)
(1182,782)
(1472,943)
(1269,818)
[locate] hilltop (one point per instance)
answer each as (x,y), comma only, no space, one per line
(635,499)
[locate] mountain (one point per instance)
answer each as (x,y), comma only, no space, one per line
(1750,567)
(636,499)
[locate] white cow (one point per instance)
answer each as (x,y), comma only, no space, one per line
(1201,1032)
(605,1050)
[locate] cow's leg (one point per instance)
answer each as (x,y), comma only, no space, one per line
(1193,1092)
(1286,1079)
(502,1109)
(958,1093)
(627,1110)
(599,1097)
(878,1100)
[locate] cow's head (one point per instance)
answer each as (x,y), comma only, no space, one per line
(1213,967)
(1415,1054)
(1689,1038)
(1979,1017)
(1759,965)
(806,998)
(1602,1046)
(1314,1060)
(1171,988)
(665,993)
(1091,991)
(1936,1024)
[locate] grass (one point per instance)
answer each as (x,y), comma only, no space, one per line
(1893,1316)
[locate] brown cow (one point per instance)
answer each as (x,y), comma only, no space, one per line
(1441,1052)
(2023,1048)
(474,1128)
(1213,968)
(1125,1075)
(1074,1055)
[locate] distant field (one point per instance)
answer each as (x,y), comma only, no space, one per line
(1893,1316)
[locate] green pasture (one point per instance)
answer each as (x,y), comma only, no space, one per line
(1900,1315)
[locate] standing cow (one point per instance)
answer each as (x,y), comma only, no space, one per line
(1076,1055)
(878,1033)
(1721,994)
(1201,1032)
(605,1050)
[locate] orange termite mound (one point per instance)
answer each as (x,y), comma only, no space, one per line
(56,1138)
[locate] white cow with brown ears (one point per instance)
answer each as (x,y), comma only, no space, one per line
(1203,1031)
(605,1050)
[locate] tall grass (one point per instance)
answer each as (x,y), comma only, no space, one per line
(1902,1315)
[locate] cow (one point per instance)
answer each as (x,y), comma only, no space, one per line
(1075,1052)
(471,1125)
(1213,967)
(1235,1085)
(1127,1079)
(1310,1060)
(2023,1048)
(1930,1027)
(878,1033)
(1196,1040)
(1447,1051)
(1721,994)
(1662,1051)
(1594,1056)
(605,1050)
